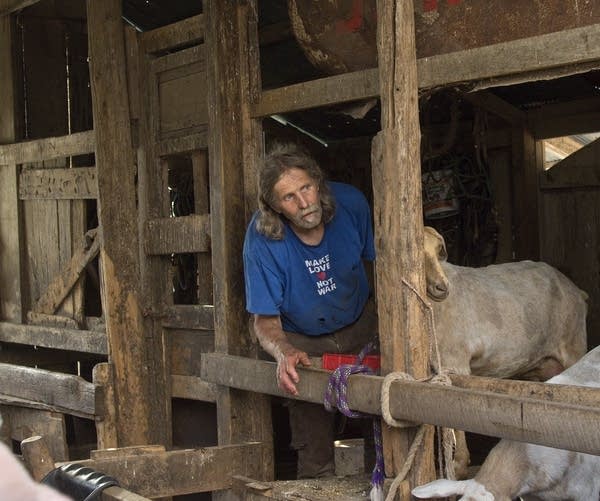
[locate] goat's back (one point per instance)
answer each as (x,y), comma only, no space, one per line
(504,320)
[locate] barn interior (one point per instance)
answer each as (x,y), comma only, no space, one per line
(130,133)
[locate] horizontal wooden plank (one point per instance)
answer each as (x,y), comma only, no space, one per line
(190,316)
(538,420)
(115,493)
(178,235)
(322,92)
(536,54)
(21,402)
(63,392)
(60,339)
(179,472)
(186,32)
(193,388)
(48,148)
(184,142)
(58,184)
(577,116)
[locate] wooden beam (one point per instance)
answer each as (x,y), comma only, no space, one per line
(484,66)
(560,416)
(193,388)
(578,116)
(70,394)
(77,143)
(232,44)
(192,317)
(11,298)
(186,32)
(39,461)
(492,103)
(527,163)
(403,335)
(321,92)
(60,339)
(10,6)
(61,285)
(58,184)
(179,472)
(140,391)
(176,235)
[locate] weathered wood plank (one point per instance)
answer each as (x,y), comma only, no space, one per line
(11,307)
(396,171)
(193,388)
(486,65)
(492,103)
(186,32)
(202,206)
(77,143)
(176,235)
(106,424)
(181,471)
(559,416)
(194,317)
(140,395)
(62,391)
(61,339)
(25,422)
(576,116)
(58,184)
(186,142)
(322,92)
(62,284)
(231,40)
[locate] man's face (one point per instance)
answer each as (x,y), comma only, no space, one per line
(297,198)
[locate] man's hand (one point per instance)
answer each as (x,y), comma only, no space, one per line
(272,338)
(287,376)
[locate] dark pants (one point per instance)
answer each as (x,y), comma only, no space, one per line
(312,427)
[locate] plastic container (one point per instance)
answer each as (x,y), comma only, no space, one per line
(332,361)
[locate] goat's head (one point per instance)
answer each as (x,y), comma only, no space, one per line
(435,253)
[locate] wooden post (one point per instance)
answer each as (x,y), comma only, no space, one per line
(241,416)
(134,346)
(527,162)
(399,225)
(11,307)
(37,457)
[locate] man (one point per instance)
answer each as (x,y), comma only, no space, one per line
(306,284)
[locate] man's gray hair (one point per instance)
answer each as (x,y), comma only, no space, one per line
(281,158)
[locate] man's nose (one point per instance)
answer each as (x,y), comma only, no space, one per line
(302,203)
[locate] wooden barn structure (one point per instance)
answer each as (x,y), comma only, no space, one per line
(130,134)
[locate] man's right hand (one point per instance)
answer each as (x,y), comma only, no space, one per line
(272,338)
(287,376)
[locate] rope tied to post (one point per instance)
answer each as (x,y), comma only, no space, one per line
(336,396)
(446,439)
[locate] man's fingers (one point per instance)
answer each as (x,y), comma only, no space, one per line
(304,359)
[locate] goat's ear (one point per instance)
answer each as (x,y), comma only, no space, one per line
(440,489)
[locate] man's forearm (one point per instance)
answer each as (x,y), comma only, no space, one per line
(271,336)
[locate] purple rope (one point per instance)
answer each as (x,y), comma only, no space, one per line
(336,396)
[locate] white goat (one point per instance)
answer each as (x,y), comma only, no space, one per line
(523,320)
(533,472)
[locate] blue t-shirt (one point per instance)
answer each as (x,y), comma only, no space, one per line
(315,289)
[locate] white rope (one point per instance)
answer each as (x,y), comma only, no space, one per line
(447,440)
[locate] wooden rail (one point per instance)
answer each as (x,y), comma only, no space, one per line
(569,422)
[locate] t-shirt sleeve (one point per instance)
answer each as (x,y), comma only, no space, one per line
(264,289)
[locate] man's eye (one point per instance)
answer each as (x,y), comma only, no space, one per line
(288,198)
